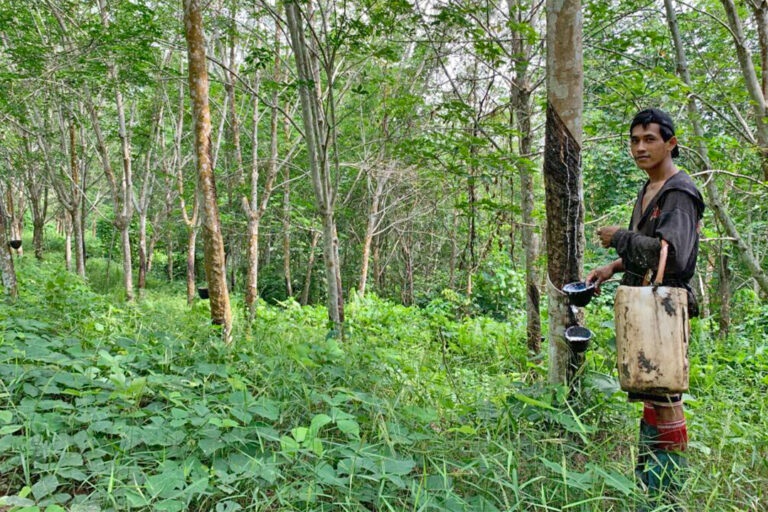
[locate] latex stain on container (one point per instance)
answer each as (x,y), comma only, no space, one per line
(652,339)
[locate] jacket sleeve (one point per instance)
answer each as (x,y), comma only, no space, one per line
(637,251)
(677,225)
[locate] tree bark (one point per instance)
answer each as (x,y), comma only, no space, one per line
(721,213)
(750,80)
(215,268)
(315,134)
(7,272)
(251,207)
(287,219)
(191,277)
(76,211)
(408,292)
(170,258)
(144,203)
(724,294)
(372,224)
(143,263)
(760,10)
(454,249)
(123,196)
(521,92)
(562,176)
(310,266)
(67,241)
(16,207)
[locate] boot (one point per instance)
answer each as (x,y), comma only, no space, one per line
(645,445)
(666,472)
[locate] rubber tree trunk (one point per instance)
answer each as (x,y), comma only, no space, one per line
(76,212)
(721,213)
(170,258)
(143,261)
(751,81)
(122,196)
(724,293)
(315,136)
(215,268)
(310,267)
(251,207)
(760,10)
(562,176)
(191,278)
(38,228)
(67,241)
(287,232)
(15,214)
(373,221)
(7,272)
(287,217)
(521,94)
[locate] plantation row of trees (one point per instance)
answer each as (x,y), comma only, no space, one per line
(395,145)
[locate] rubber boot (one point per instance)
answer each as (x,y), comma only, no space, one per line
(645,445)
(666,472)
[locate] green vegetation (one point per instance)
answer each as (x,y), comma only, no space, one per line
(113,406)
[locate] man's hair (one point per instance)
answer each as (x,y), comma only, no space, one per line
(654,115)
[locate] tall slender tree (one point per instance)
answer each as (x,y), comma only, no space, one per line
(215,268)
(316,117)
(744,250)
(562,175)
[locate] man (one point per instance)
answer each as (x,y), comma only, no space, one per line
(668,208)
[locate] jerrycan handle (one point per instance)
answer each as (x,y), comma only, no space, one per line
(662,263)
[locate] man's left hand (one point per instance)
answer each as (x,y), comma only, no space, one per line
(606,234)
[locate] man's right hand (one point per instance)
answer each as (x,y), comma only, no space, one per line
(600,275)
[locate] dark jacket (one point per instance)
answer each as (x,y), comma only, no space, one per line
(673,215)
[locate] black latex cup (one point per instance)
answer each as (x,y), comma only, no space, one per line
(580,293)
(578,337)
(203,292)
(15,244)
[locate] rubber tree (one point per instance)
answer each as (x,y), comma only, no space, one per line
(562,175)
(253,205)
(751,81)
(122,191)
(721,213)
(37,190)
(521,91)
(7,272)
(215,266)
(317,115)
(69,187)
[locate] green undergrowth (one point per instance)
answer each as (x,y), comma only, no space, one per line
(112,406)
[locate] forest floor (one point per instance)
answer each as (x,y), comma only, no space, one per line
(112,406)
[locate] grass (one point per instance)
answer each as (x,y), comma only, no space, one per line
(112,406)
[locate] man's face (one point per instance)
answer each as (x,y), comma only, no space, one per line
(648,148)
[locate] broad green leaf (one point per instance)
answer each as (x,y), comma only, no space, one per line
(45,487)
(15,501)
(299,433)
(398,466)
(318,422)
(349,427)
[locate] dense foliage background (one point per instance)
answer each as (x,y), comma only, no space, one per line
(433,399)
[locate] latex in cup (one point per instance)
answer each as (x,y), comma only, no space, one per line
(579,293)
